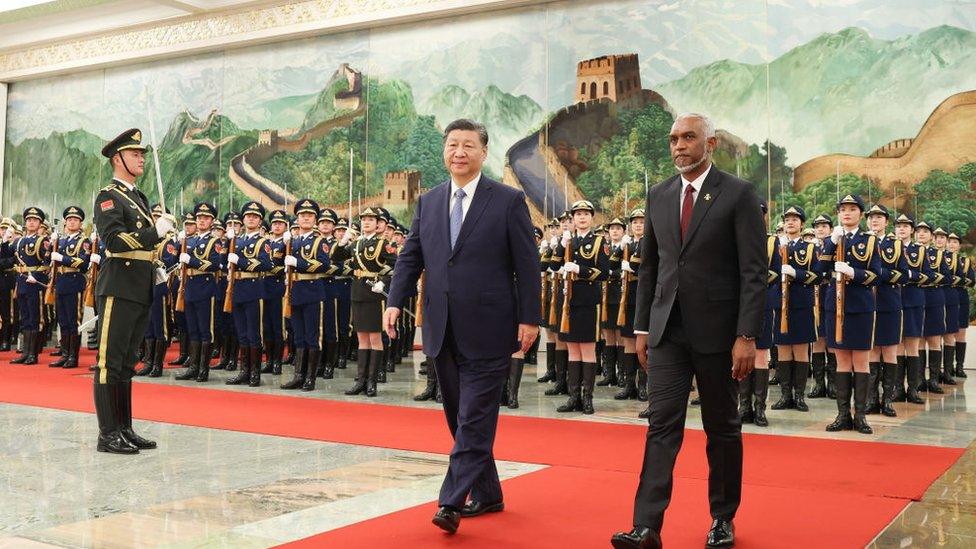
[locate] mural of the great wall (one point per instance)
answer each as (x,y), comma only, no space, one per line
(578,100)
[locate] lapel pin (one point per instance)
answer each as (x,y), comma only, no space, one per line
(707,197)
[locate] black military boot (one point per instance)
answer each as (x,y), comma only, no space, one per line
(609,366)
(158,357)
(384,356)
(268,365)
(314,358)
(935,369)
(279,351)
(774,365)
(914,370)
(191,368)
(393,350)
(889,376)
(362,372)
(589,381)
(819,362)
(204,367)
(960,359)
(515,367)
(343,351)
(184,352)
(110,437)
(300,360)
(254,357)
(244,376)
(233,347)
(784,371)
(629,378)
(4,339)
(861,387)
(923,356)
(574,374)
(532,355)
(375,368)
(430,391)
(621,366)
(831,374)
(74,347)
(550,374)
(843,421)
(28,348)
(124,396)
(801,372)
(760,383)
(290,347)
(899,395)
(140,354)
(874,392)
(562,358)
(641,383)
(148,357)
(948,364)
(746,389)
(63,346)
(331,360)
(222,344)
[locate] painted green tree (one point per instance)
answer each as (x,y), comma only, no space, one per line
(946,200)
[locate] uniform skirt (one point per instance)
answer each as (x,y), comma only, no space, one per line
(627,330)
(367,316)
(952,318)
(802,328)
(912,319)
(584,324)
(963,309)
(765,338)
(934,323)
(887,328)
(858,331)
(613,309)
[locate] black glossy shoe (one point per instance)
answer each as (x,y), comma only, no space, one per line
(476,508)
(645,413)
(721,534)
(640,537)
(760,419)
(447,519)
(115,443)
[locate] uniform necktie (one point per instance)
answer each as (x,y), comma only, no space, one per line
(686,206)
(457,215)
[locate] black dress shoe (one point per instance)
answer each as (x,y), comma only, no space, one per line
(722,534)
(640,537)
(447,519)
(476,508)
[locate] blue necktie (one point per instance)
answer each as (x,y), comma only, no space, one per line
(457,215)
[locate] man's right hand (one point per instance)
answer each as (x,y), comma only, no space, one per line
(641,349)
(390,317)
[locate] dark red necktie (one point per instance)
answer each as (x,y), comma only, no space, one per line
(686,206)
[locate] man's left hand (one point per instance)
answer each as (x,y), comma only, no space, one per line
(390,317)
(526,335)
(743,357)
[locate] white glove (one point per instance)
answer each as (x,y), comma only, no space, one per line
(783,240)
(291,261)
(566,238)
(626,239)
(181,236)
(543,247)
(843,268)
(789,271)
(571,267)
(286,236)
(553,242)
(233,258)
(161,275)
(165,224)
(344,240)
(185,259)
(95,259)
(56,257)
(31,279)
(8,234)
(230,233)
(378,287)
(625,266)
(836,234)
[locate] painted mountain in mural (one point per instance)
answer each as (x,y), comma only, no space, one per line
(841,92)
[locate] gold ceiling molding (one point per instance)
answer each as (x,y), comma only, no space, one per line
(210,32)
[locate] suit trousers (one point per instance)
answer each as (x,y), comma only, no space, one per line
(671,366)
(471,390)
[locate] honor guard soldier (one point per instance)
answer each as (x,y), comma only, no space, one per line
(967,279)
(204,253)
(556,259)
(800,276)
(32,253)
(157,333)
(373,262)
(584,273)
(949,286)
(123,290)
(343,283)
(8,282)
(226,345)
(613,350)
(274,292)
(632,380)
(545,253)
(71,262)
(913,311)
(934,322)
(824,362)
(309,261)
(338,252)
(251,259)
(855,270)
(888,320)
(179,317)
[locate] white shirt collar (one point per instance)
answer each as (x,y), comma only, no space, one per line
(697,183)
(128,185)
(469,188)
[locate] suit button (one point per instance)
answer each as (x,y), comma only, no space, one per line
(126,263)
(450,263)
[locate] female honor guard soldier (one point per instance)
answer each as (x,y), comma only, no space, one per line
(203,259)
(967,279)
(857,273)
(274,292)
(8,282)
(251,259)
(71,260)
(913,306)
(33,253)
(823,361)
(950,283)
(561,356)
(309,261)
(343,281)
(888,318)
(613,350)
(934,323)
(373,262)
(801,274)
(338,252)
(157,332)
(632,379)
(590,262)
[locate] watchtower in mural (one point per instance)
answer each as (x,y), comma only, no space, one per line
(401,189)
(614,77)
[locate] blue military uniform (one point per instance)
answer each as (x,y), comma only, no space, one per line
(70,284)
(33,254)
(917,273)
(343,283)
(205,253)
(331,327)
(633,380)
(157,332)
(967,279)
(8,282)
(274,291)
(226,344)
(253,262)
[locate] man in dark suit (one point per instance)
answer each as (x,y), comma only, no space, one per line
(473,237)
(699,308)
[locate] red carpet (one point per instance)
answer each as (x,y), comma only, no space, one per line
(791,482)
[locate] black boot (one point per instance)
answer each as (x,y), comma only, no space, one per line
(515,367)
(4,338)
(148,358)
(255,359)
(222,344)
(110,437)
(746,414)
(641,383)
(914,369)
(562,358)
(899,395)
(331,360)
(430,391)
(204,374)
(268,365)
(923,356)
(589,380)
(844,421)
(532,355)
(761,389)
(393,350)
(300,361)
(609,367)
(889,377)
(290,347)
(961,359)
(874,392)
(28,348)
(124,396)
(774,365)
(191,367)
(935,369)
(862,380)
(234,348)
(629,378)
(184,352)
(801,371)
(158,357)
(74,346)
(375,367)
(63,346)
(550,374)
(819,363)
(831,374)
(948,364)
(362,372)
(784,371)
(343,351)
(244,375)
(314,358)
(384,356)
(279,351)
(574,376)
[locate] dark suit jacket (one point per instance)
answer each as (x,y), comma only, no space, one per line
(718,274)
(487,285)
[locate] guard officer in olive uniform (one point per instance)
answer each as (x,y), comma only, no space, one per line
(71,261)
(251,259)
(204,253)
(124,290)
(33,253)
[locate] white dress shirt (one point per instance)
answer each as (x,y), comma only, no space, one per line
(128,185)
(697,184)
(469,191)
